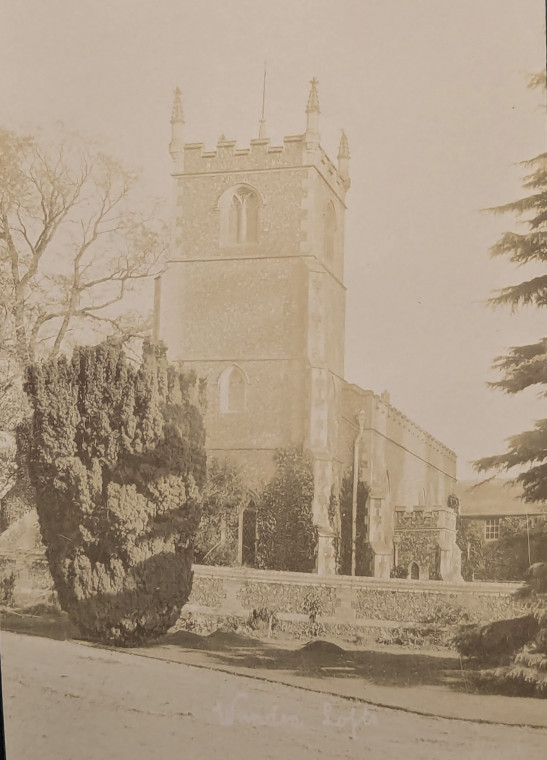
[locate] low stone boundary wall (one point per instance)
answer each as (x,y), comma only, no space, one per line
(338,600)
(346,600)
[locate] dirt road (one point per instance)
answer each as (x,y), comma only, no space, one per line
(67,701)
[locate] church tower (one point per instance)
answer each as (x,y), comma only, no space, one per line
(253,299)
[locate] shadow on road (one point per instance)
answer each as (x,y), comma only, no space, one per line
(321,659)
(40,620)
(316,659)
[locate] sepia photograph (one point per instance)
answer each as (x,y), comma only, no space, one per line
(273,440)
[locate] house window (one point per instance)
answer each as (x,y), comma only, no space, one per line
(329,223)
(240,210)
(233,388)
(414,572)
(492,529)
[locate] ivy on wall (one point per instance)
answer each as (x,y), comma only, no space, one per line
(507,558)
(334,521)
(286,535)
(470,539)
(420,547)
(341,516)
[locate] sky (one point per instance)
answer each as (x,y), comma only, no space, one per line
(433,97)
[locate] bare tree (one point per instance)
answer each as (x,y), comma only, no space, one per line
(71,243)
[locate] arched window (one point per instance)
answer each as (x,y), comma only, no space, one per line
(233,387)
(414,572)
(234,220)
(329,224)
(240,209)
(236,391)
(251,208)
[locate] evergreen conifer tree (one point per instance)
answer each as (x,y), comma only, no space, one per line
(526,366)
(116,456)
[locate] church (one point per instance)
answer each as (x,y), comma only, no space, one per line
(253,300)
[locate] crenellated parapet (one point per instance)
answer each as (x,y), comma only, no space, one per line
(416,519)
(425,543)
(261,156)
(385,419)
(301,151)
(419,518)
(405,423)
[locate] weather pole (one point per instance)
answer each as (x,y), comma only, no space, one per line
(262,127)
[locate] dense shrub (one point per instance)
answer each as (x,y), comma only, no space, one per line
(286,535)
(436,636)
(507,558)
(470,539)
(496,639)
(313,607)
(116,457)
(263,619)
(364,555)
(513,652)
(223,496)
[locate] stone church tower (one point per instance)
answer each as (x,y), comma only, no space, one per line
(253,299)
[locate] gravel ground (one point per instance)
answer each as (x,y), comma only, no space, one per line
(66,701)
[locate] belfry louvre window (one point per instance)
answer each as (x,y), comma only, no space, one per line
(492,529)
(243,213)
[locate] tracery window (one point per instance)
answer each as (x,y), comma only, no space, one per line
(240,216)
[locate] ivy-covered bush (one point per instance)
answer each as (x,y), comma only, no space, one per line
(286,535)
(470,539)
(364,556)
(223,495)
(116,458)
(508,557)
(263,618)
(313,607)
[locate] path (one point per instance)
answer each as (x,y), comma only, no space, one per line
(67,701)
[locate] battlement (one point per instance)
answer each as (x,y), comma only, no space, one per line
(260,155)
(423,518)
(381,405)
(406,423)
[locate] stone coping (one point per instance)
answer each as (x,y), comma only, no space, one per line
(348,581)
